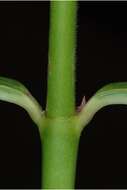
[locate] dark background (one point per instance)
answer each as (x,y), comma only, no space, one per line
(101,59)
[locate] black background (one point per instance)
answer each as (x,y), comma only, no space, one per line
(101,59)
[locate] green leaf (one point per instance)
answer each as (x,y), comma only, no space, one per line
(14,92)
(113,88)
(114,93)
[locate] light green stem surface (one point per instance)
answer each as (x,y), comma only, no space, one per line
(61,74)
(59,150)
(59,137)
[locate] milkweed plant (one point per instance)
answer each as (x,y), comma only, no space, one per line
(60,125)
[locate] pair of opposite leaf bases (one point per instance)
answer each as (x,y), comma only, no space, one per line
(15,92)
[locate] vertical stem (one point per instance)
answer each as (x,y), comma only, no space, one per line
(60,144)
(59,137)
(61,74)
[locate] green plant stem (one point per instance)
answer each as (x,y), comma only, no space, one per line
(60,143)
(58,133)
(61,74)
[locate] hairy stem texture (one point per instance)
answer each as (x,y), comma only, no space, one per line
(59,137)
(59,151)
(61,74)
